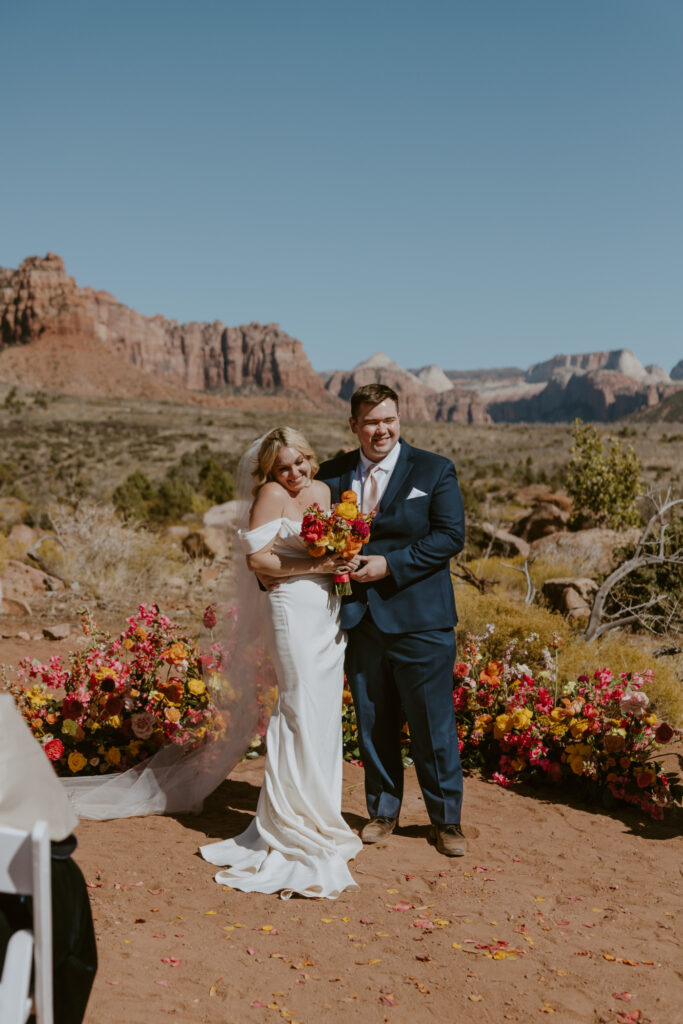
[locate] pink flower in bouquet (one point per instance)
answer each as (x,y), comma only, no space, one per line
(54,749)
(361,528)
(461,670)
(142,725)
(645,778)
(209,617)
(664,733)
(635,703)
(313,530)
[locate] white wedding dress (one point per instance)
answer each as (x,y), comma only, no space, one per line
(298,842)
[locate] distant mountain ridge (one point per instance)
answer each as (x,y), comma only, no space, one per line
(601,386)
(56,335)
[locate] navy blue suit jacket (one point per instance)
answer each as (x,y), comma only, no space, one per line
(418,537)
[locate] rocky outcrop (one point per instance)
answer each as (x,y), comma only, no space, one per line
(418,401)
(434,377)
(572,596)
(602,395)
(591,552)
(544,519)
(677,372)
(620,360)
(39,299)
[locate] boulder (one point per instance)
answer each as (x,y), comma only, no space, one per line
(573,596)
(21,537)
(57,632)
(21,581)
(506,543)
(591,552)
(544,519)
(12,510)
(222,516)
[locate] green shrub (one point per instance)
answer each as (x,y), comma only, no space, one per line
(133,498)
(603,483)
(215,482)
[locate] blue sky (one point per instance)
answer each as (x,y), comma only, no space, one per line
(472,183)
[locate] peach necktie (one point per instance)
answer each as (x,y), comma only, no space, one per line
(371,491)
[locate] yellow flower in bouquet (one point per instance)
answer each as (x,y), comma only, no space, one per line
(113,755)
(69,727)
(521,718)
(501,725)
(578,727)
(196,686)
(76,761)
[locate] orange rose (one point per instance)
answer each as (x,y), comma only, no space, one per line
(350,496)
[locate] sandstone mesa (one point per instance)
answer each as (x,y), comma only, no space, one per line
(59,336)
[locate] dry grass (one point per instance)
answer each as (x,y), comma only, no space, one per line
(120,566)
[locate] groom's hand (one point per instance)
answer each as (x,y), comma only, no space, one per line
(374,567)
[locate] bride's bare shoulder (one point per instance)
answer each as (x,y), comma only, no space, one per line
(268,505)
(320,490)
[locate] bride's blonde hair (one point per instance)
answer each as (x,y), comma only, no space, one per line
(281,437)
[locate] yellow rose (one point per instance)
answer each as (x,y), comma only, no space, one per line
(521,718)
(501,726)
(115,721)
(128,643)
(347,510)
(650,719)
(576,765)
(196,686)
(76,761)
(113,755)
(578,727)
(69,727)
(172,714)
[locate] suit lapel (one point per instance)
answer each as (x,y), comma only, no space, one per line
(399,476)
(346,478)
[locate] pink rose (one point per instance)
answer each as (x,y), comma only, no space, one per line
(54,749)
(143,725)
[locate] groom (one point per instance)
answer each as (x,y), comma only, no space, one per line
(400,617)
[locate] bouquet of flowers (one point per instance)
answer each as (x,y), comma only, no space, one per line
(344,530)
(118,701)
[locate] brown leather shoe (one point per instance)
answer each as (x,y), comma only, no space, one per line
(449,840)
(378,829)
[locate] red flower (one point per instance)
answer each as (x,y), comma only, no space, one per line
(461,670)
(108,685)
(54,749)
(360,528)
(114,706)
(664,733)
(209,618)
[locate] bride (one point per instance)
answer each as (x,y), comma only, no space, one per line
(298,842)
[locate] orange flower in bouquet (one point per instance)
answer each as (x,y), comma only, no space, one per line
(344,530)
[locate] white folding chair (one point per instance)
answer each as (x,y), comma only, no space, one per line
(25,870)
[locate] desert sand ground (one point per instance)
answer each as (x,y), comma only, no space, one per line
(558,912)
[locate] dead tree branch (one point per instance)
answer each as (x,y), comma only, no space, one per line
(600,620)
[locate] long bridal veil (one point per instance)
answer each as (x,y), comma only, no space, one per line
(174,779)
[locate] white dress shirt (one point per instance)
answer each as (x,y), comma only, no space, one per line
(384,469)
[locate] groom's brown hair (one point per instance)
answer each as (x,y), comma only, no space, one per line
(371,394)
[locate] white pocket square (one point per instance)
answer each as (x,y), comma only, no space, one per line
(416,493)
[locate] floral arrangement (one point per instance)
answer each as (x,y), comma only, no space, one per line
(520,725)
(344,530)
(118,701)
